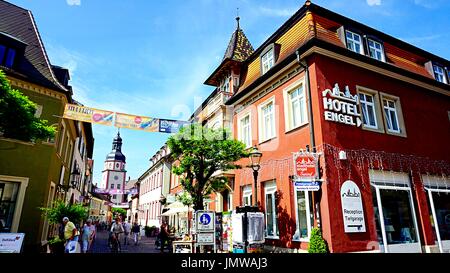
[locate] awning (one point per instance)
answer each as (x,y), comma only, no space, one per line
(173,211)
(176,204)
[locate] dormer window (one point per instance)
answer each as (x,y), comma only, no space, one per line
(376,50)
(354,42)
(439,74)
(267,61)
(7,56)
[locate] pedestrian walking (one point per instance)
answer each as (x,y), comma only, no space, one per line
(70,235)
(136,231)
(163,235)
(87,234)
(127,231)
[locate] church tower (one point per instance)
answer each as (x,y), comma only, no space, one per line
(114,173)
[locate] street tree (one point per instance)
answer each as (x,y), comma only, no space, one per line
(199,153)
(17,115)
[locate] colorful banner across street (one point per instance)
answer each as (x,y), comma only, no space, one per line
(171,126)
(87,114)
(137,122)
(121,120)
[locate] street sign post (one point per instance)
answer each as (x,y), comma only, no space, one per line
(205,225)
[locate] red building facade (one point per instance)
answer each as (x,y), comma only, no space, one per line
(374,108)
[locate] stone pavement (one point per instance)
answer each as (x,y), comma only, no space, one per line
(146,245)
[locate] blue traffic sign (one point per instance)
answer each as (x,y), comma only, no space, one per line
(205,219)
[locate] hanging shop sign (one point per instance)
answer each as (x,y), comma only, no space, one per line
(341,107)
(136,122)
(11,242)
(352,208)
(305,166)
(307,185)
(87,114)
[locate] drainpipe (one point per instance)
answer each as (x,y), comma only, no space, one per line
(304,65)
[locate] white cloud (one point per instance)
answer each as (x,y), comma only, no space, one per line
(277,12)
(431,4)
(73,2)
(373,2)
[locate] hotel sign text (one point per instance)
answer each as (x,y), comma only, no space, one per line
(341,107)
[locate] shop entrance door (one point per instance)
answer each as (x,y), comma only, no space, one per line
(396,220)
(440,208)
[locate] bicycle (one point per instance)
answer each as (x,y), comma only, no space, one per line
(115,244)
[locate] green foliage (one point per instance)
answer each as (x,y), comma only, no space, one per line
(120,211)
(185,198)
(317,244)
(17,118)
(55,240)
(201,152)
(76,212)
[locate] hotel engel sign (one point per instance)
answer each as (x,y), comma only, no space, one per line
(341,107)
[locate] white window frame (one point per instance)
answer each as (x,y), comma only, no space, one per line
(241,130)
(302,100)
(437,184)
(23,184)
(308,215)
(247,192)
(439,71)
(351,41)
(262,128)
(376,50)
(386,180)
(270,188)
(268,60)
(388,116)
(364,105)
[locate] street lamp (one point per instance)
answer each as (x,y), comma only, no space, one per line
(74,177)
(255,158)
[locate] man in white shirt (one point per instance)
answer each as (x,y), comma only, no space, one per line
(127,230)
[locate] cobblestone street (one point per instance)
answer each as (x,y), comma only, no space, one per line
(146,245)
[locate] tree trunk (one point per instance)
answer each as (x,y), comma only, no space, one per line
(198,203)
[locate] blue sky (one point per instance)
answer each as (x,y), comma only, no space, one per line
(151,58)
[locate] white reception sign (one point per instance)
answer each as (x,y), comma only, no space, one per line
(11,242)
(352,208)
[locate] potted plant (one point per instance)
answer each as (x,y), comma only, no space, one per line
(148,231)
(56,245)
(316,243)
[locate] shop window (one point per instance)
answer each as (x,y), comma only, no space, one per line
(266,114)
(270,190)
(394,212)
(295,106)
(438,190)
(245,130)
(393,116)
(304,215)
(376,50)
(354,42)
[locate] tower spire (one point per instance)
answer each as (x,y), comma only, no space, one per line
(237,18)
